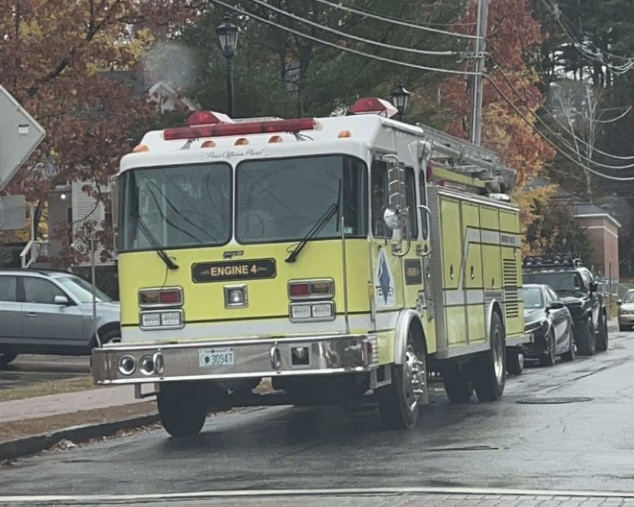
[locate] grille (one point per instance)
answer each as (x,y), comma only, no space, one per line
(511,295)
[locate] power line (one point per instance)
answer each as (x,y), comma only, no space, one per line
(548,127)
(543,136)
(354,37)
(570,131)
(244,12)
(395,21)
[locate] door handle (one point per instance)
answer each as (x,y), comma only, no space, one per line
(31,314)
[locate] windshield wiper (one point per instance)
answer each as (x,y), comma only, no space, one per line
(157,248)
(314,230)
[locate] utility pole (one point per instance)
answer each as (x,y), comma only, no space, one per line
(480,48)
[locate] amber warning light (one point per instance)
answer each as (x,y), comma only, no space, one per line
(239,129)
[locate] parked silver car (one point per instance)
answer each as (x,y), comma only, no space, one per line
(50,312)
(626,311)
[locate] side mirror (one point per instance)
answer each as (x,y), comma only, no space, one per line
(391,219)
(619,301)
(61,300)
(594,287)
(556,305)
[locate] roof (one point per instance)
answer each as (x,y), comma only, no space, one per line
(589,210)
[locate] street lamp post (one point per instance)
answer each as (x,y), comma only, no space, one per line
(400,100)
(227,34)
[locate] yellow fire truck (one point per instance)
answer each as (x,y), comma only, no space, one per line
(339,257)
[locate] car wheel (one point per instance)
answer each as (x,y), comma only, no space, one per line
(514,361)
(570,355)
(489,369)
(113,336)
(602,341)
(182,408)
(549,356)
(586,339)
(457,383)
(399,402)
(6,358)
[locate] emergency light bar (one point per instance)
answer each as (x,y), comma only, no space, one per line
(239,129)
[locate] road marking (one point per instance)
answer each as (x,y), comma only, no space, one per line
(254,493)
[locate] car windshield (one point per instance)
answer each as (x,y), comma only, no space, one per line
(568,282)
(629,298)
(533,298)
(282,199)
(81,289)
(178,206)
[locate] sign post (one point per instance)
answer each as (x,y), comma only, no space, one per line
(20,134)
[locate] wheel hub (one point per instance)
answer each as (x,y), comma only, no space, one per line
(498,360)
(414,377)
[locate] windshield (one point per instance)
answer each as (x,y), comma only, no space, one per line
(281,199)
(533,298)
(181,206)
(629,298)
(563,282)
(81,289)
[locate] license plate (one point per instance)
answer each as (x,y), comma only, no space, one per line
(208,358)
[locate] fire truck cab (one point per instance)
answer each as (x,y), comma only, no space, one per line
(339,257)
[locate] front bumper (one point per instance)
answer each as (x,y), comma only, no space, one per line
(262,357)
(626,319)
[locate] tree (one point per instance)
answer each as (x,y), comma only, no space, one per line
(514,38)
(52,56)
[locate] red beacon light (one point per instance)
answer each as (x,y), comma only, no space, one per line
(373,105)
(207,118)
(239,129)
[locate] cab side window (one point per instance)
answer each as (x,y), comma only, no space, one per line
(410,199)
(8,288)
(37,290)
(378,188)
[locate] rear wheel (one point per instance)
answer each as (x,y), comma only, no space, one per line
(586,339)
(6,358)
(489,370)
(514,361)
(182,408)
(457,383)
(399,401)
(602,340)
(549,356)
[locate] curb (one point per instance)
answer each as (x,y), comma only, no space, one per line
(31,445)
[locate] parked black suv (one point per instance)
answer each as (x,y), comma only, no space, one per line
(576,288)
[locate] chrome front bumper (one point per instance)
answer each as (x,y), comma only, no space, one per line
(262,357)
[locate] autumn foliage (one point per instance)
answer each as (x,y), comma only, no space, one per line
(513,40)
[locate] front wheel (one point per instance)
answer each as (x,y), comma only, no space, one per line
(6,358)
(602,341)
(399,401)
(514,361)
(489,370)
(570,355)
(182,408)
(586,339)
(549,356)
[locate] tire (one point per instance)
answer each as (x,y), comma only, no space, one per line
(602,341)
(586,339)
(514,361)
(570,355)
(6,358)
(399,402)
(114,335)
(489,369)
(182,408)
(457,383)
(549,356)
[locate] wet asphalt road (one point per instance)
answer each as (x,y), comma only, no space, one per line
(31,369)
(584,444)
